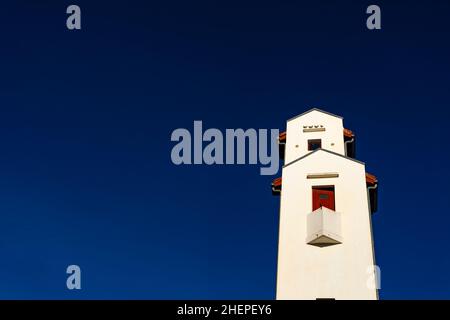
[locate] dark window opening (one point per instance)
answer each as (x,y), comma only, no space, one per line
(323,196)
(314,144)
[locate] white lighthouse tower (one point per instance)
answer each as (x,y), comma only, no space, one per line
(325,247)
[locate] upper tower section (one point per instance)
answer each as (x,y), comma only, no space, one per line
(315,129)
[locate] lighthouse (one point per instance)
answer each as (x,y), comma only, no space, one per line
(325,246)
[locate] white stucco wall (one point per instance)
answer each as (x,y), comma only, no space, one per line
(297,140)
(338,271)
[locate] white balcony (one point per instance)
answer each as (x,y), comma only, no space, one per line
(323,227)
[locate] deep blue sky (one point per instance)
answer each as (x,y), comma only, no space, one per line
(86,117)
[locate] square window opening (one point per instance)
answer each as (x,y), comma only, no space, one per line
(314,144)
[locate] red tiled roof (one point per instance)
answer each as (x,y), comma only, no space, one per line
(371,179)
(276,182)
(348,133)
